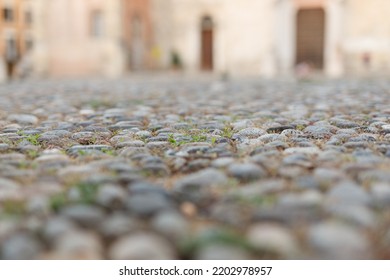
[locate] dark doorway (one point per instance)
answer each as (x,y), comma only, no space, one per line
(310,37)
(207,43)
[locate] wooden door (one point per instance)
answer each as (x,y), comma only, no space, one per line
(207,44)
(310,37)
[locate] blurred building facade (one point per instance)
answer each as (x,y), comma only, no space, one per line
(276,37)
(91,37)
(268,38)
(16,22)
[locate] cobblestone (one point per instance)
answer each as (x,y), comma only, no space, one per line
(181,169)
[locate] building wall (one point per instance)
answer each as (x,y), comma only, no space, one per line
(251,37)
(137,33)
(68,45)
(17,29)
(258,37)
(242,34)
(366,43)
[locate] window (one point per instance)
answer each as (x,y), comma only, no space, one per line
(97,24)
(28,18)
(29,44)
(11,51)
(8,14)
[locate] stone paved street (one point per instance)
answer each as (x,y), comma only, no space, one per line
(184,169)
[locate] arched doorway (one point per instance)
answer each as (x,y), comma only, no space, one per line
(137,47)
(310,37)
(206,55)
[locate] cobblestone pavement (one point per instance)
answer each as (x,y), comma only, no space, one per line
(159,169)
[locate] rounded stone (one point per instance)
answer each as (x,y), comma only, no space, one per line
(142,246)
(171,224)
(222,162)
(381,194)
(57,226)
(197,186)
(148,203)
(333,240)
(246,172)
(111,196)
(22,246)
(23,119)
(9,190)
(117,225)
(78,245)
(251,132)
(85,215)
(222,252)
(320,131)
(273,238)
(347,192)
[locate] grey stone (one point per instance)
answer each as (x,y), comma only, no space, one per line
(57,226)
(355,214)
(381,194)
(347,192)
(111,196)
(23,119)
(222,162)
(22,246)
(341,123)
(332,240)
(171,224)
(246,172)
(308,199)
(268,138)
(320,131)
(9,190)
(198,185)
(251,132)
(78,245)
(142,246)
(222,252)
(274,238)
(85,215)
(117,225)
(148,203)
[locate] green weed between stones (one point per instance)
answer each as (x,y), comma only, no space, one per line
(227,132)
(217,236)
(82,152)
(13,208)
(27,165)
(259,200)
(7,141)
(109,152)
(96,104)
(32,154)
(193,139)
(58,201)
(87,195)
(32,138)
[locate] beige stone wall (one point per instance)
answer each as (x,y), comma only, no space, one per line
(367,33)
(242,34)
(251,37)
(258,37)
(137,34)
(64,44)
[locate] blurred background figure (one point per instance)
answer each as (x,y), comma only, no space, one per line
(262,38)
